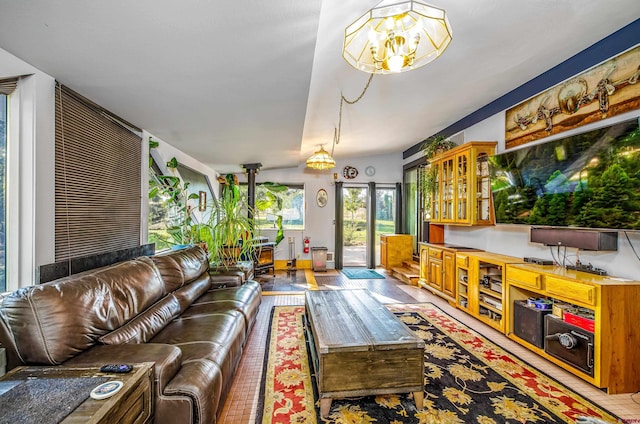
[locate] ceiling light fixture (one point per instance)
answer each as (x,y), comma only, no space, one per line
(322,159)
(396,37)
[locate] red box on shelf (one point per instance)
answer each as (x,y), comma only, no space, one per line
(579,321)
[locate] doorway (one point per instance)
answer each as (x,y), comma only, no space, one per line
(365,212)
(354,226)
(385,216)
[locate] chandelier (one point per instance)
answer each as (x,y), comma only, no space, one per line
(321,160)
(396,37)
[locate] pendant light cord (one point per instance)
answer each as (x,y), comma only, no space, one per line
(343,100)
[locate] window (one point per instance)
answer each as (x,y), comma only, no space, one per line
(270,204)
(3,215)
(159,214)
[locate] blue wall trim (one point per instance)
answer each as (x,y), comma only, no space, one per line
(619,41)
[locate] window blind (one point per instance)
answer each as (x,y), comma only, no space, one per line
(97,179)
(8,85)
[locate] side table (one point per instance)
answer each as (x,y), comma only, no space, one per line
(131,405)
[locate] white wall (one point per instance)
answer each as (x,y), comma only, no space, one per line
(319,222)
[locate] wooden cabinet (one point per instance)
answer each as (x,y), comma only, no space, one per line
(449,274)
(462,192)
(615,304)
(438,268)
(394,249)
(480,277)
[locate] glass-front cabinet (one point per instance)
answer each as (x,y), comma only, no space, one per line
(462,193)
(436,213)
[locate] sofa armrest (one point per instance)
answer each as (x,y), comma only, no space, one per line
(167,358)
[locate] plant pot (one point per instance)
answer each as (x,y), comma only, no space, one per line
(180,246)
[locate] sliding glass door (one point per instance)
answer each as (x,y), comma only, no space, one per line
(385,222)
(354,226)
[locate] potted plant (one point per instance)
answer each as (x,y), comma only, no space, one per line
(229,233)
(272,200)
(181,229)
(436,145)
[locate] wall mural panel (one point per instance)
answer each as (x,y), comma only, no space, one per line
(603,91)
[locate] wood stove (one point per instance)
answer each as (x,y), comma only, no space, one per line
(264,256)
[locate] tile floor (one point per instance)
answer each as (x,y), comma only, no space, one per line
(242,402)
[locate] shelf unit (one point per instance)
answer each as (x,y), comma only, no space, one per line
(615,303)
(482,294)
(462,277)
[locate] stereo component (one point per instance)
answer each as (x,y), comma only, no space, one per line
(584,239)
(528,323)
(538,261)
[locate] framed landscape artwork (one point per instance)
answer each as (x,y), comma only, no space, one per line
(605,90)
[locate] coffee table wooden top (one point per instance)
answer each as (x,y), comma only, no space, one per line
(353,320)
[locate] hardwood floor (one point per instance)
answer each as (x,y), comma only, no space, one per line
(283,289)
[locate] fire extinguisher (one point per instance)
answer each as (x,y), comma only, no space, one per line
(306,245)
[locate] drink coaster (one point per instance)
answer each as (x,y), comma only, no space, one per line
(106,390)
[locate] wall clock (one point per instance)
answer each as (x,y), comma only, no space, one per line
(349,172)
(370,171)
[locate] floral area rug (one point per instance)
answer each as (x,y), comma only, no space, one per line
(468,379)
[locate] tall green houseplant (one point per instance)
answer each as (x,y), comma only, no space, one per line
(231,230)
(272,200)
(180,228)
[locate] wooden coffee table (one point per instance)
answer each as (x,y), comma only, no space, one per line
(360,348)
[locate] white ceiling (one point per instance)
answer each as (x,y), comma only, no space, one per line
(244,81)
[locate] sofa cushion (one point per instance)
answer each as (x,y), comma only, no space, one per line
(187,294)
(146,325)
(55,321)
(181,267)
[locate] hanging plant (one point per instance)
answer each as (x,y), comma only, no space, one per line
(435,145)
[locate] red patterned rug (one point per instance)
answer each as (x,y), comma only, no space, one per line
(468,379)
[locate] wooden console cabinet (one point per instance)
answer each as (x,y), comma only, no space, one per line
(462,193)
(616,307)
(394,249)
(480,288)
(438,268)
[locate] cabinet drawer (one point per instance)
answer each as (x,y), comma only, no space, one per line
(462,260)
(435,253)
(524,277)
(571,290)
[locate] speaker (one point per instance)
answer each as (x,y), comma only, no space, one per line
(528,323)
(584,239)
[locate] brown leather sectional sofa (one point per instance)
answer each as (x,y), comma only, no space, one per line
(159,309)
